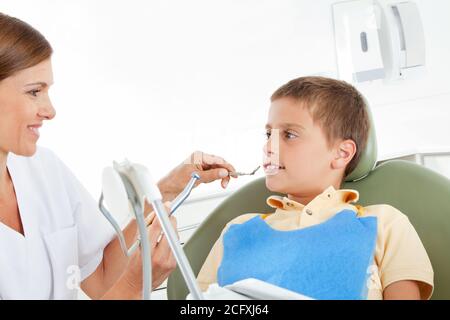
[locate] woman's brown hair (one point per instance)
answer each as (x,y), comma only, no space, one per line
(21,46)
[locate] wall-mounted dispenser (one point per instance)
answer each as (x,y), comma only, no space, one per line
(378,39)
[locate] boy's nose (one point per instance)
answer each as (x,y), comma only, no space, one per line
(272,144)
(266,148)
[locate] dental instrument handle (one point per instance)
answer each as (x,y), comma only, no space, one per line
(177,250)
(143,180)
(184,194)
(145,255)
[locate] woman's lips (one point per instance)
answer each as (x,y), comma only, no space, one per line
(34,129)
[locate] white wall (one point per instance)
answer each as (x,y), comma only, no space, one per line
(155,80)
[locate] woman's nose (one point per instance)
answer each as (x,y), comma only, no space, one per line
(47,111)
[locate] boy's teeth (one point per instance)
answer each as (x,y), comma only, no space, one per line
(272,167)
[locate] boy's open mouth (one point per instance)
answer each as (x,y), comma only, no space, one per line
(272,168)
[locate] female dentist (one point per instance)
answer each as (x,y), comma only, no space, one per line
(50,227)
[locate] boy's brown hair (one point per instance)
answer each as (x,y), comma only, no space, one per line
(336,105)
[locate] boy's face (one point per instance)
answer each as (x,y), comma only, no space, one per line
(300,161)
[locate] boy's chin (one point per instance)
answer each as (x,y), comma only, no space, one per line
(275,186)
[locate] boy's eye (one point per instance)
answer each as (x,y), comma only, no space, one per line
(290,135)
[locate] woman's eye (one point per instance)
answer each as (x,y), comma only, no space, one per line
(267,134)
(34,92)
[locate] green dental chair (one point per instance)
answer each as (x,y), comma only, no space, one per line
(422,194)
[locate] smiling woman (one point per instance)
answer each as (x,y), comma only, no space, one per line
(25,107)
(53,239)
(25,75)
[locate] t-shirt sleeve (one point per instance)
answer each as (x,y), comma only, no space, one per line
(94,231)
(404,256)
(208,272)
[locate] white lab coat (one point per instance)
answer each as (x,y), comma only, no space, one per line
(65,233)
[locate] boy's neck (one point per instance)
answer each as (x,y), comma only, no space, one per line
(303,199)
(306,198)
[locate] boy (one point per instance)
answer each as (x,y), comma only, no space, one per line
(317,242)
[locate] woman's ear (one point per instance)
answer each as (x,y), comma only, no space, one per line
(345,151)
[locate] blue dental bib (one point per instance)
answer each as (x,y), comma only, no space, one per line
(329,260)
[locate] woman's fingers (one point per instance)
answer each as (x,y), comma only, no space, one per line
(163,261)
(154,231)
(210,161)
(149,219)
(215,168)
(213,175)
(154,226)
(163,247)
(225,182)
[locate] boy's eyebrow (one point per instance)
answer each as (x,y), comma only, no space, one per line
(287,125)
(293,125)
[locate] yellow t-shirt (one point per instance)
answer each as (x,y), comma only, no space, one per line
(399,253)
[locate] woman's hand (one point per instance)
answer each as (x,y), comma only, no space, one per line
(209,167)
(162,260)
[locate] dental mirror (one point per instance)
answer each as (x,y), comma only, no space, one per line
(243,173)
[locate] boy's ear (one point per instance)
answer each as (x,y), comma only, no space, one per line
(345,151)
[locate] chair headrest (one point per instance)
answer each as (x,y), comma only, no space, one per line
(368,158)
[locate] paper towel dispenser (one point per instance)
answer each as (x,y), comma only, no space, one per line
(402,39)
(378,39)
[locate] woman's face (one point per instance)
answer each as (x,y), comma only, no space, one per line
(24,105)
